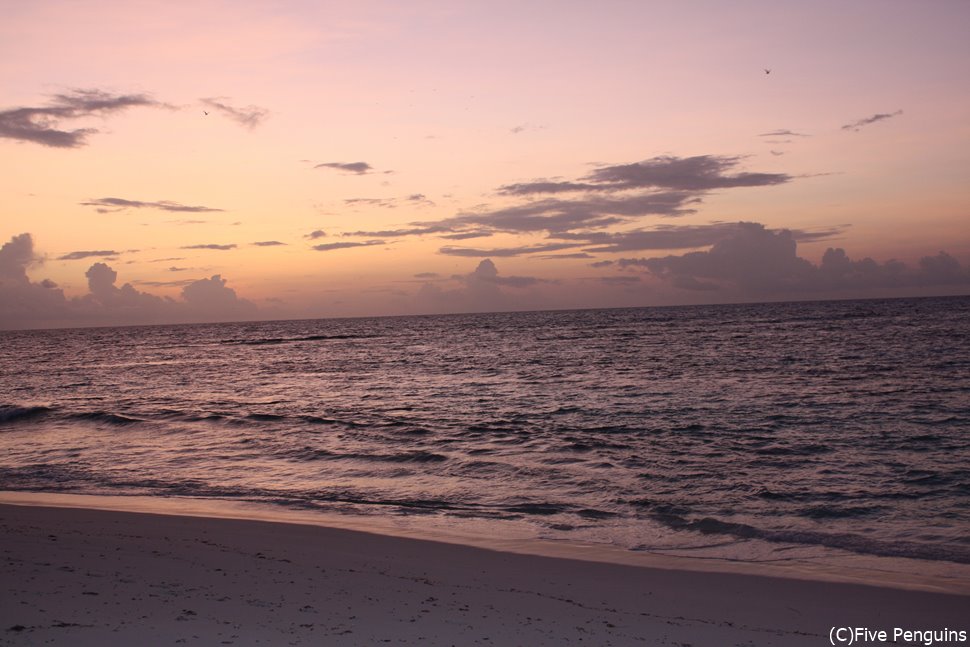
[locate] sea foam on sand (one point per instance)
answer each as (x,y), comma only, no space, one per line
(76,576)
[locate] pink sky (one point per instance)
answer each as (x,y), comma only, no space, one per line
(476,156)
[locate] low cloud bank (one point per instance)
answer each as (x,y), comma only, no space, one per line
(28,304)
(757,261)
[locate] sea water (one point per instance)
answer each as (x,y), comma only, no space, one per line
(741,432)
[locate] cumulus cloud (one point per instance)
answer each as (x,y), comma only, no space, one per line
(211,296)
(757,261)
(16,256)
(109,205)
(859,124)
(74,256)
(250,116)
(27,304)
(359,168)
(42,124)
(318,233)
(482,289)
(327,247)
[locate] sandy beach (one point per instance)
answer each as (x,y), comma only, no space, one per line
(95,577)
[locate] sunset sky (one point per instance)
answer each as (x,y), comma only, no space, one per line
(193,161)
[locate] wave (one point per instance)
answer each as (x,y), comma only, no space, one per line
(286,340)
(844,541)
(15,413)
(416,456)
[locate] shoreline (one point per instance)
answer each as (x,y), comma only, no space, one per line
(84,576)
(894,573)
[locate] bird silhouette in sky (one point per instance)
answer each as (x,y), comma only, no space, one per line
(205,113)
(767,71)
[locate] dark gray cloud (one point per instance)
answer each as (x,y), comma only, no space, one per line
(313,235)
(698,173)
(268,243)
(41,125)
(557,215)
(386,203)
(427,275)
(250,116)
(74,256)
(666,237)
(623,279)
(552,257)
(610,195)
(396,233)
(222,248)
(783,133)
(332,246)
(756,261)
(108,205)
(465,235)
(599,264)
(858,124)
(360,168)
(469,252)
(545,186)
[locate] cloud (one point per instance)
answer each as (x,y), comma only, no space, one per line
(332,246)
(250,116)
(465,235)
(551,257)
(15,256)
(504,251)
(857,125)
(482,289)
(222,248)
(427,275)
(557,215)
(521,128)
(783,133)
(26,304)
(698,173)
(359,168)
(313,235)
(268,243)
(109,205)
(610,195)
(393,233)
(486,272)
(755,261)
(386,203)
(41,125)
(673,237)
(213,297)
(73,256)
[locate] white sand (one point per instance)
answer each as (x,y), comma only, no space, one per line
(94,577)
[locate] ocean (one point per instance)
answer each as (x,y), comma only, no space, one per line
(758,433)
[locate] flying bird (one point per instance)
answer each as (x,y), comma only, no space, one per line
(204,112)
(767,71)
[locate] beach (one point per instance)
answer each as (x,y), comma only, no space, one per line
(92,577)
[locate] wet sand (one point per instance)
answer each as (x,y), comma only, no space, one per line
(93,577)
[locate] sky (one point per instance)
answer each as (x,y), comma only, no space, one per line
(207,161)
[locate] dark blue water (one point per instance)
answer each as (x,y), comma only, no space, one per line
(738,431)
